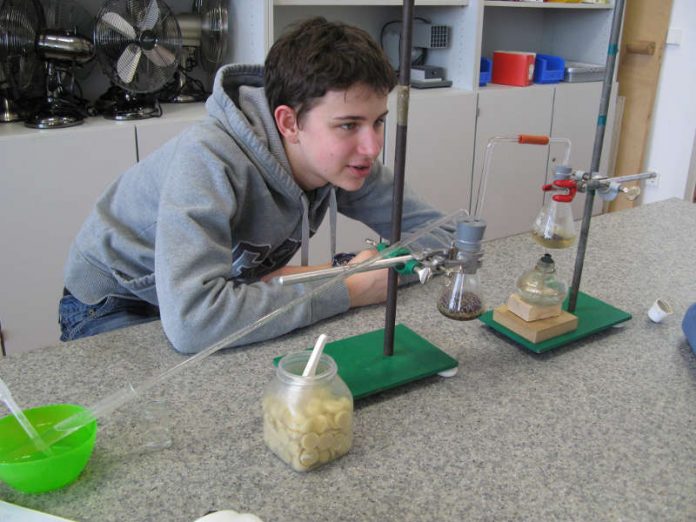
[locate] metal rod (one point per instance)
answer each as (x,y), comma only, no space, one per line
(399,165)
(632,177)
(597,150)
(313,275)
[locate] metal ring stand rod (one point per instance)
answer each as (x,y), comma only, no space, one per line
(399,165)
(597,150)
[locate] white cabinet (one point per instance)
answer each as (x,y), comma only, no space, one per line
(153,132)
(439,152)
(49,181)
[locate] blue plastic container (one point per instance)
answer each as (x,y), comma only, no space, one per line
(689,326)
(485,74)
(548,68)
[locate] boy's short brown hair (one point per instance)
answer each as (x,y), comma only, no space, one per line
(316,56)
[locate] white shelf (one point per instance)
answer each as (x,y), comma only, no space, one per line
(375,3)
(546,5)
(171,112)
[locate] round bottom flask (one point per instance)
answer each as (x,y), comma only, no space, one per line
(540,286)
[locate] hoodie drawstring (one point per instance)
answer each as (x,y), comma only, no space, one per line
(333,218)
(333,211)
(305,230)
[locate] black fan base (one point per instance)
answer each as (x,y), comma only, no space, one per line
(120,105)
(56,112)
(142,112)
(185,98)
(53,121)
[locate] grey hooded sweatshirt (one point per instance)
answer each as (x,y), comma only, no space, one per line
(194,226)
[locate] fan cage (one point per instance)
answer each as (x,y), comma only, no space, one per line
(111,44)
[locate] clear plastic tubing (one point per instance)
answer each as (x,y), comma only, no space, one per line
(104,407)
(29,429)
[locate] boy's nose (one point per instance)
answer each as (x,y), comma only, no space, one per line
(371,143)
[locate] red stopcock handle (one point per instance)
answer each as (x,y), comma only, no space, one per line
(568,184)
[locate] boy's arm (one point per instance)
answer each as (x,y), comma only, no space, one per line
(200,303)
(373,202)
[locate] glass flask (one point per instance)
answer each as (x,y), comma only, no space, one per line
(540,286)
(554,226)
(307,421)
(462,296)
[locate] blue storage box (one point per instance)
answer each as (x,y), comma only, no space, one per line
(485,74)
(548,68)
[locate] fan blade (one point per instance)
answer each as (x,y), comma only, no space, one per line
(118,23)
(161,56)
(151,17)
(128,63)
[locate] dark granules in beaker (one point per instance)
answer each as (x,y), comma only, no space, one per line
(469,306)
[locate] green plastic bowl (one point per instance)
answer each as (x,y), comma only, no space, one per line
(36,472)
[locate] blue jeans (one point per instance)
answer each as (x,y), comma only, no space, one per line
(78,319)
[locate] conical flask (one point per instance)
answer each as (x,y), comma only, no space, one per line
(462,297)
(554,226)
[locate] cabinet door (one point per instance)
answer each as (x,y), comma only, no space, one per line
(50,181)
(575,112)
(513,195)
(154,132)
(439,145)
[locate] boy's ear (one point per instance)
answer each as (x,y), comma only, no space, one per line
(286,121)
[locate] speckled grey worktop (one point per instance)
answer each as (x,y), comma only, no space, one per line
(604,429)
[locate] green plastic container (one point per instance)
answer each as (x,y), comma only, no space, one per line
(36,472)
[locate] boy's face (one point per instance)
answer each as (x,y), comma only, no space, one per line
(338,139)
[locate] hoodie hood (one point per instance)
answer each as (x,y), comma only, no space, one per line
(239,104)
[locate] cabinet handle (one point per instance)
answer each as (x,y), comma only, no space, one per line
(641,47)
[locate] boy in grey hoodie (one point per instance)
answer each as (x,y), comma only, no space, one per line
(196,232)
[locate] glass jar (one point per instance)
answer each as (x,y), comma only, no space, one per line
(307,421)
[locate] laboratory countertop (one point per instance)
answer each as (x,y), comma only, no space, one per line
(602,429)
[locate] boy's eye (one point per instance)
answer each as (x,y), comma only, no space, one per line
(348,126)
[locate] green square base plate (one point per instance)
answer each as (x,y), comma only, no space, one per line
(593,316)
(366,370)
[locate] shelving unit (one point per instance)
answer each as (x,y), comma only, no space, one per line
(545,5)
(369,2)
(448,130)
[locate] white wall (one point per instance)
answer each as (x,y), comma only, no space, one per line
(671,138)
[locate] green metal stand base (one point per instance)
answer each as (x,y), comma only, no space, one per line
(366,370)
(593,316)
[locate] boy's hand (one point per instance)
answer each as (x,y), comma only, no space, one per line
(365,288)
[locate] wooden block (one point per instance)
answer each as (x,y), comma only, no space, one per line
(535,331)
(530,312)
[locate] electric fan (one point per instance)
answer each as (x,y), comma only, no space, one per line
(138,43)
(204,33)
(65,51)
(26,35)
(20,22)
